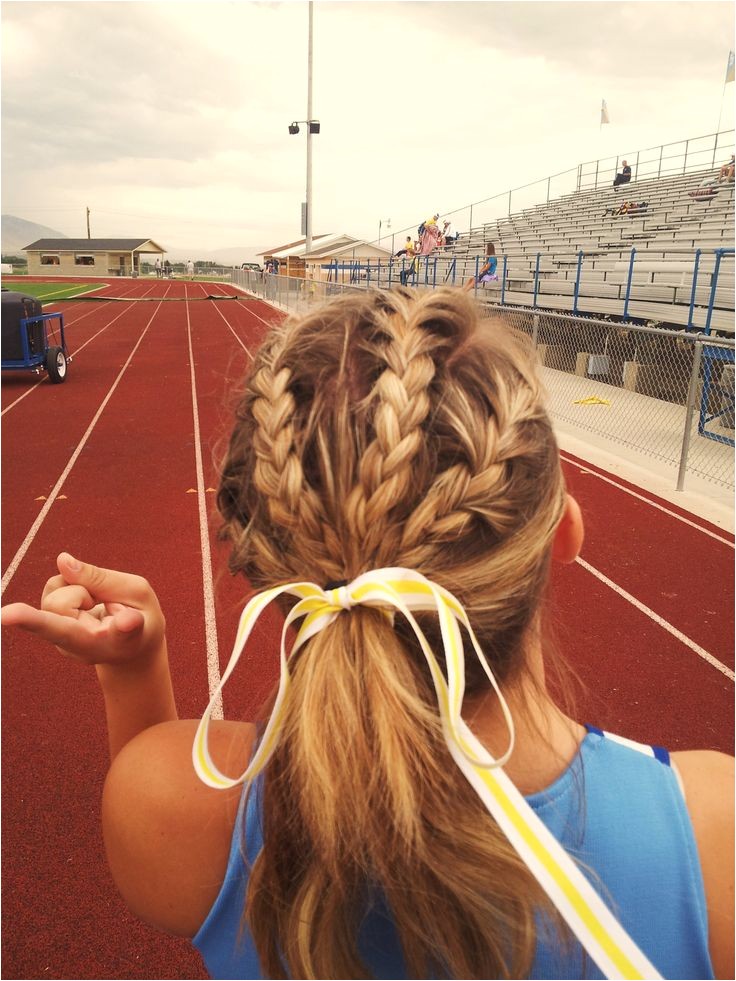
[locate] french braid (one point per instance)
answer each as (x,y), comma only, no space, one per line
(380,430)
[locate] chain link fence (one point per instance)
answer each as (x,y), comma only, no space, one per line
(667,394)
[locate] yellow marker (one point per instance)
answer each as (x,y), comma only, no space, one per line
(191,491)
(592,400)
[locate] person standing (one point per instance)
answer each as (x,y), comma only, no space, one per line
(190,269)
(158,267)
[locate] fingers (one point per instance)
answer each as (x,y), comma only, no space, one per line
(67,600)
(104,584)
(58,630)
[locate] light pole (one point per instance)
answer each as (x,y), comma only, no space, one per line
(312,127)
(387,223)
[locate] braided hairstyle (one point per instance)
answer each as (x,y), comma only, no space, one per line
(390,429)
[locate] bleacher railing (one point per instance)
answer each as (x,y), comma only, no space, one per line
(436,270)
(666,160)
(664,394)
(682,157)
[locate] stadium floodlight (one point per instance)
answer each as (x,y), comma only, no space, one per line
(293,128)
(314,126)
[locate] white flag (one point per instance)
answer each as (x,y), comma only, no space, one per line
(729,68)
(604,113)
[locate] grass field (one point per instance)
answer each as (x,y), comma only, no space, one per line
(48,292)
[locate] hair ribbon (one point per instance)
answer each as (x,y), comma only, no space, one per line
(405,591)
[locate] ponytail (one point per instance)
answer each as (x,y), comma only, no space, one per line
(363,806)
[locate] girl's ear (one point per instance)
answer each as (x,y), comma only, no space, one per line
(569,535)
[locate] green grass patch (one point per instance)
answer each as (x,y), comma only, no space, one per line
(52,291)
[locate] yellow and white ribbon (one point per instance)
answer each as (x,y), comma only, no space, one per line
(403,590)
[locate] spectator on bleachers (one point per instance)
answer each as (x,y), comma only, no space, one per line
(410,252)
(430,237)
(449,233)
(487,272)
(708,188)
(727,171)
(624,177)
(408,249)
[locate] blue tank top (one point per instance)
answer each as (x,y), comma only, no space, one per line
(618,809)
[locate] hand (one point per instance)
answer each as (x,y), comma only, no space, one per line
(94,615)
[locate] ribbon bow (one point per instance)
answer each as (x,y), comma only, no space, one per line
(405,591)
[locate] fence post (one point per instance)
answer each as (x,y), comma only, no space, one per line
(503,280)
(692,293)
(548,182)
(689,411)
(368,275)
(390,270)
(535,330)
(434,273)
(454,270)
(470,222)
(714,283)
(636,165)
(536,280)
(509,203)
(596,176)
(477,267)
(659,168)
(684,165)
(576,291)
(628,283)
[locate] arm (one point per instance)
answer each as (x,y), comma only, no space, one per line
(112,620)
(709,792)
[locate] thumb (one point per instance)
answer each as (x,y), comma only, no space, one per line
(127,623)
(103,584)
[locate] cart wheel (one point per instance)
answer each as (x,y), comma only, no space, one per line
(56,365)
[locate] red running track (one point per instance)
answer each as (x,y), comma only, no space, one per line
(105,466)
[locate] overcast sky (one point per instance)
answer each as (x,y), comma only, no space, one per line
(170,119)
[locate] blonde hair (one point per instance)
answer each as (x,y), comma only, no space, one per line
(389,429)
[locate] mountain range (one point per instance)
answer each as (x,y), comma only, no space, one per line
(17,233)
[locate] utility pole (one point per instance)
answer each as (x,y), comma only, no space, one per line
(308,242)
(88,235)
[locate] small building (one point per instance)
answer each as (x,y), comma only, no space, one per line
(89,256)
(325,251)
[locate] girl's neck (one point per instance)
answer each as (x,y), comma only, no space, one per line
(546,740)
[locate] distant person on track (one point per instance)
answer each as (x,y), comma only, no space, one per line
(393,483)
(487,273)
(190,269)
(624,177)
(159,270)
(167,268)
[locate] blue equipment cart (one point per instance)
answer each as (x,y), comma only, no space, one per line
(32,340)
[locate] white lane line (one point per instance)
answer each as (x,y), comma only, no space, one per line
(700,651)
(210,617)
(18,557)
(74,354)
(654,504)
(232,331)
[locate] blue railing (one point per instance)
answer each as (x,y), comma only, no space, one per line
(423,271)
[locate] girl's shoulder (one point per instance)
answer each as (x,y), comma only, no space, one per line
(168,835)
(708,785)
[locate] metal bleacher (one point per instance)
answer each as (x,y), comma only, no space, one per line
(666,238)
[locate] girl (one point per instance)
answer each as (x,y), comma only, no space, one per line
(392,480)
(487,273)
